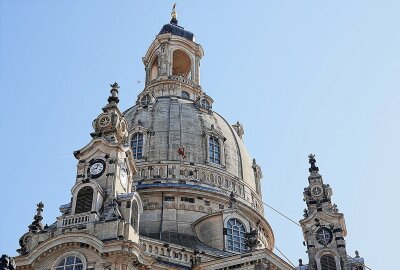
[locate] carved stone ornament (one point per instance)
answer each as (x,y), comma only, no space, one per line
(7,263)
(252,239)
(37,225)
(263,264)
(232,200)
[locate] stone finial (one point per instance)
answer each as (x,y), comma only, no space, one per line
(114,93)
(357,254)
(37,225)
(7,263)
(300,262)
(238,127)
(312,161)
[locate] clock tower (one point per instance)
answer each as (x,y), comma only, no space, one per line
(323,226)
(99,228)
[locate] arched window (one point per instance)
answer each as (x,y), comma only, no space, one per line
(328,262)
(70,263)
(84,200)
(145,101)
(205,104)
(181,64)
(154,69)
(137,145)
(185,94)
(214,150)
(236,235)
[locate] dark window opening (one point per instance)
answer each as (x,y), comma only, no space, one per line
(328,262)
(84,200)
(186,199)
(185,94)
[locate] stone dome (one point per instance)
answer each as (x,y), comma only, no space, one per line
(193,170)
(174,121)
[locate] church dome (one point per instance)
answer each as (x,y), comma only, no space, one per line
(194,174)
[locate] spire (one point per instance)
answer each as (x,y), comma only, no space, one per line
(174,15)
(312,161)
(37,225)
(114,93)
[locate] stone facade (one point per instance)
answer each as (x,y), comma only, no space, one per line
(169,184)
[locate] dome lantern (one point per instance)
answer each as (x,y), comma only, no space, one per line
(172,63)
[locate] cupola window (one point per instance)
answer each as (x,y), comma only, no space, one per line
(137,145)
(185,94)
(154,69)
(84,200)
(145,100)
(181,64)
(206,104)
(236,235)
(214,150)
(70,263)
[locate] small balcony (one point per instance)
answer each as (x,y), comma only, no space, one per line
(77,219)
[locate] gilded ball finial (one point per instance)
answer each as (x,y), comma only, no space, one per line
(174,15)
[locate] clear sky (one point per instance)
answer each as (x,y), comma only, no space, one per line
(302,76)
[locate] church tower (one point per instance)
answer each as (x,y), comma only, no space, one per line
(324,228)
(98,229)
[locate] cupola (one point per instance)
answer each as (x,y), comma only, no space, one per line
(172,63)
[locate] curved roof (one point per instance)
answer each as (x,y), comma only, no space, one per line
(177,30)
(175,121)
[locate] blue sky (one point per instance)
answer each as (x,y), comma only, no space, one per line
(302,76)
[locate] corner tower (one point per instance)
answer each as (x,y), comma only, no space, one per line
(324,228)
(99,227)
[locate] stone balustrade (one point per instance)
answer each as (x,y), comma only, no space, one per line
(201,175)
(77,219)
(169,253)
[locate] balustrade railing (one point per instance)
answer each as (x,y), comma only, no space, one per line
(77,219)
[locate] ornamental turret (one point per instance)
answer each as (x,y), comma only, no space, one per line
(110,124)
(324,227)
(101,221)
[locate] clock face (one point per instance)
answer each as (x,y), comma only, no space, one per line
(316,191)
(104,121)
(97,168)
(324,236)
